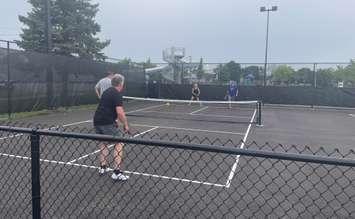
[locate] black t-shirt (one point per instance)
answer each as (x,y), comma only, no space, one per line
(195,91)
(106,111)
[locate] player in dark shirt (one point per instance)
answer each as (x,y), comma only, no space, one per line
(109,111)
(195,93)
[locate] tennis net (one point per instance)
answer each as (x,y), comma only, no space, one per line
(203,111)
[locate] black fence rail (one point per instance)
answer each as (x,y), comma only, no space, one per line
(53,171)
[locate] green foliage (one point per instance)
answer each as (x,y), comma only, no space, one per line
(200,72)
(229,71)
(283,74)
(304,76)
(256,71)
(223,74)
(325,77)
(217,71)
(74,30)
(346,74)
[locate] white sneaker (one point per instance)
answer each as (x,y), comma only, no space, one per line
(103,170)
(119,177)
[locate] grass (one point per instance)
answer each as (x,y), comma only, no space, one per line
(21,115)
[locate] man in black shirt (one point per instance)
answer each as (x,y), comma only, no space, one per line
(109,111)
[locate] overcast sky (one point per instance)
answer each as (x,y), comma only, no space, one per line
(218,31)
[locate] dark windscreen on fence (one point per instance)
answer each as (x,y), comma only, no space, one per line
(40,81)
(31,81)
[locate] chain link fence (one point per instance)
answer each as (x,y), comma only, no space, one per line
(52,172)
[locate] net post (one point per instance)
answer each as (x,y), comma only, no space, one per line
(35,173)
(259,113)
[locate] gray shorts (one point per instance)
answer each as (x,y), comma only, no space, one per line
(108,130)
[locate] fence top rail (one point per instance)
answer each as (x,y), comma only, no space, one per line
(261,63)
(195,147)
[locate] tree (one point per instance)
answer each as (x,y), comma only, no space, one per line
(255,71)
(223,75)
(218,71)
(235,71)
(304,75)
(200,72)
(283,74)
(325,77)
(74,30)
(346,74)
(230,71)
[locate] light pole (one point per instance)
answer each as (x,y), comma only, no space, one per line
(264,9)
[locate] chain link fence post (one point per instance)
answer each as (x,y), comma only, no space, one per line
(35,171)
(9,87)
(314,88)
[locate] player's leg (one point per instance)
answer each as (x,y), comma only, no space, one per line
(103,151)
(192,99)
(198,100)
(230,101)
(103,155)
(118,156)
(118,153)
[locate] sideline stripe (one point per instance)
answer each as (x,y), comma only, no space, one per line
(145,108)
(199,114)
(128,172)
(110,146)
(66,125)
(234,167)
(190,129)
(199,110)
(82,122)
(77,123)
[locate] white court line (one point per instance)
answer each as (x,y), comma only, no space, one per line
(199,110)
(81,122)
(190,129)
(234,167)
(128,172)
(88,121)
(77,123)
(199,114)
(150,107)
(66,125)
(110,146)
(222,116)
